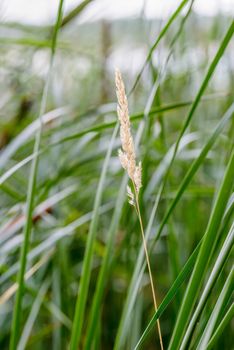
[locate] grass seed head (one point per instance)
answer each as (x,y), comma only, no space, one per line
(127,154)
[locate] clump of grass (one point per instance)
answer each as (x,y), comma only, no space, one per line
(127,157)
(71,236)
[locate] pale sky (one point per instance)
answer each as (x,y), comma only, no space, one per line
(43,11)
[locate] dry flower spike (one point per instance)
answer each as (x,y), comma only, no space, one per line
(127,154)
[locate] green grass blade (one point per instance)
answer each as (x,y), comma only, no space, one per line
(195,166)
(220,261)
(184,273)
(200,93)
(206,80)
(26,42)
(75,12)
(28,133)
(105,266)
(219,306)
(134,117)
(30,199)
(161,35)
(87,262)
(56,297)
(220,328)
(205,253)
(52,308)
(32,316)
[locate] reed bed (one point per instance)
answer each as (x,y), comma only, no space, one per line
(99,250)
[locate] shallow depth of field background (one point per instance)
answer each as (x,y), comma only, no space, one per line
(82,96)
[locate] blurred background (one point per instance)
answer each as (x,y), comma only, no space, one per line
(96,37)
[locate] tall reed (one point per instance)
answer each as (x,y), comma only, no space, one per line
(127,157)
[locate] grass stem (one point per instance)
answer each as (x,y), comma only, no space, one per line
(137,207)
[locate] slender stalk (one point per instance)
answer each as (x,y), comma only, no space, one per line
(219,330)
(137,207)
(30,198)
(127,157)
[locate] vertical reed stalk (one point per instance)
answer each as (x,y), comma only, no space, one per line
(137,207)
(127,159)
(17,311)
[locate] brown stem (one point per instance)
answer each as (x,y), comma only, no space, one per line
(148,264)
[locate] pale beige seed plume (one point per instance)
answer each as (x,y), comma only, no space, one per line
(127,154)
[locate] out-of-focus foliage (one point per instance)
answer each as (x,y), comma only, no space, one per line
(81,97)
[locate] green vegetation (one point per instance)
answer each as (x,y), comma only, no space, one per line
(73,270)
